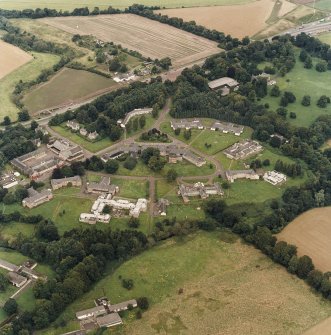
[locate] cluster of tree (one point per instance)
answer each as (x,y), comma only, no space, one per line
(136,123)
(287,98)
(19,217)
(292,170)
(258,164)
(154,135)
(78,258)
(75,169)
(152,158)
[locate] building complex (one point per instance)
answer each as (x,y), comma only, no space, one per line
(243,149)
(199,190)
(135,112)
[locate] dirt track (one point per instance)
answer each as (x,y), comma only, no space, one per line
(311,233)
(11,58)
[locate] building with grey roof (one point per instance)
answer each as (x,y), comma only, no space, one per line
(91,312)
(109,320)
(243,149)
(8,266)
(135,112)
(36,198)
(186,124)
(225,84)
(232,175)
(227,127)
(16,279)
(123,306)
(199,190)
(64,182)
(104,186)
(65,151)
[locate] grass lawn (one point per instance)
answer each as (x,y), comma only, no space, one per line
(326,38)
(182,168)
(218,140)
(223,281)
(131,188)
(323,5)
(302,82)
(27,72)
(102,4)
(91,146)
(66,86)
(166,128)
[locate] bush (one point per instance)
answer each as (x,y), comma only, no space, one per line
(111,166)
(130,163)
(143,303)
(10,306)
(133,223)
(127,283)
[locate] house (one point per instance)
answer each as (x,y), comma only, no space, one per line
(64,182)
(232,175)
(91,312)
(186,124)
(274,177)
(243,149)
(193,158)
(140,206)
(73,125)
(16,279)
(83,131)
(42,130)
(36,198)
(225,84)
(135,112)
(109,320)
(227,127)
(8,266)
(123,306)
(162,205)
(104,186)
(199,189)
(92,136)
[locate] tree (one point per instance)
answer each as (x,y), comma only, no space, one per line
(306,100)
(3,282)
(135,124)
(130,163)
(187,134)
(308,63)
(171,175)
(177,131)
(143,303)
(142,121)
(156,163)
(6,121)
(127,283)
(293,115)
(23,116)
(111,166)
(321,66)
(323,101)
(275,91)
(303,55)
(133,223)
(10,306)
(304,266)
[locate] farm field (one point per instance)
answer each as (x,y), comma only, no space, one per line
(326,38)
(11,58)
(315,85)
(65,5)
(220,287)
(131,30)
(310,232)
(66,86)
(229,19)
(322,5)
(29,71)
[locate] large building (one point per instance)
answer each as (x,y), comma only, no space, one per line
(186,124)
(109,320)
(37,163)
(16,279)
(91,312)
(227,127)
(104,186)
(243,149)
(274,177)
(64,182)
(199,190)
(65,151)
(232,175)
(36,198)
(135,112)
(225,85)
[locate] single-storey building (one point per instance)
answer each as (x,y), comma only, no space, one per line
(109,320)
(274,177)
(225,84)
(36,198)
(16,279)
(232,175)
(91,312)
(64,182)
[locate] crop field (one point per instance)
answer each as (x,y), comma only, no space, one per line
(66,86)
(150,38)
(11,58)
(29,71)
(223,281)
(315,85)
(322,5)
(229,19)
(70,5)
(326,38)
(311,233)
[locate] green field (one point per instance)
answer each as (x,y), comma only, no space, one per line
(220,287)
(65,5)
(326,38)
(66,86)
(27,72)
(302,81)
(323,5)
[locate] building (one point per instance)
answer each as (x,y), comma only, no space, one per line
(227,127)
(104,186)
(232,175)
(135,112)
(162,205)
(225,85)
(109,320)
(41,129)
(65,151)
(140,206)
(64,182)
(186,124)
(124,77)
(83,131)
(73,125)
(199,190)
(92,136)
(91,313)
(8,266)
(243,149)
(36,198)
(37,163)
(8,180)
(193,158)
(123,306)
(274,177)
(266,76)
(16,279)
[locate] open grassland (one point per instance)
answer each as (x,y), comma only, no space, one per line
(66,86)
(150,38)
(223,281)
(322,5)
(70,5)
(302,82)
(238,21)
(27,72)
(326,38)
(311,233)
(11,58)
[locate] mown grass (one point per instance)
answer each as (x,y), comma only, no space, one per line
(66,86)
(27,72)
(219,286)
(302,82)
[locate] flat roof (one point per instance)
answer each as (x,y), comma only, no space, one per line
(108,320)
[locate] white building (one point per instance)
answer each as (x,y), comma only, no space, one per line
(135,112)
(232,175)
(274,177)
(91,312)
